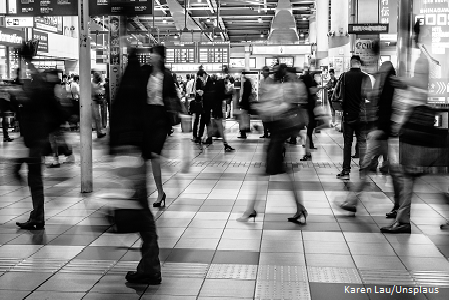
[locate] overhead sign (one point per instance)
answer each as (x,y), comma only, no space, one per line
(281,50)
(46,8)
(42,37)
(120,7)
(19,22)
(11,38)
(52,24)
(368,28)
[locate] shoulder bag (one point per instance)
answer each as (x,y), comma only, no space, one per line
(338,99)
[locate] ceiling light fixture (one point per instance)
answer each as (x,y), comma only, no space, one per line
(302,35)
(176,36)
(199,1)
(259,20)
(164,20)
(208,20)
(262,34)
(304,18)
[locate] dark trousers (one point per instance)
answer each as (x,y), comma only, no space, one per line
(149,263)
(35,182)
(205,121)
(195,126)
(311,126)
(349,129)
(266,128)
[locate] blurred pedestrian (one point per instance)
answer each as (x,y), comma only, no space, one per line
(41,114)
(127,130)
(244,105)
(380,105)
(279,106)
(330,90)
(311,85)
(197,107)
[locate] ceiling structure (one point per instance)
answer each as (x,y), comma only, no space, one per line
(237,20)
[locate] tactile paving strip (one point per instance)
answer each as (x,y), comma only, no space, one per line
(282,273)
(266,290)
(39,265)
(333,275)
(232,271)
(386,277)
(184,270)
(8,264)
(431,278)
(88,266)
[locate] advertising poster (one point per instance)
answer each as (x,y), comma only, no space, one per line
(434,17)
(120,7)
(47,7)
(364,48)
(114,55)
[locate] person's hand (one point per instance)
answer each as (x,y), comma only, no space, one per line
(200,92)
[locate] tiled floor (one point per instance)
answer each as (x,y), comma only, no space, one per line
(205,252)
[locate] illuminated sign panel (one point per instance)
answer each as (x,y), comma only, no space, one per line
(368,28)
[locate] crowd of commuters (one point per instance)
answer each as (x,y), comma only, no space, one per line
(285,102)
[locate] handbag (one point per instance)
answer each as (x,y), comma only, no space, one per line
(244,121)
(173,109)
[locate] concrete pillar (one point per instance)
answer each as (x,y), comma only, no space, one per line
(312,30)
(322,13)
(404,37)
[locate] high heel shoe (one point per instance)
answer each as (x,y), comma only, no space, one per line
(31,225)
(298,216)
(161,203)
(246,216)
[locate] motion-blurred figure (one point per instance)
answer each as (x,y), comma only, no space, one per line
(244,105)
(421,143)
(377,140)
(279,108)
(41,114)
(127,137)
(311,85)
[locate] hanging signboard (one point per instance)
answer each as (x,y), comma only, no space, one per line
(217,53)
(42,37)
(184,54)
(120,7)
(52,24)
(45,8)
(368,28)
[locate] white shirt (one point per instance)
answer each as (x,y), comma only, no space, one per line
(154,89)
(190,87)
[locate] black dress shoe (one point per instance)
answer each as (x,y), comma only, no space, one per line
(7,140)
(348,207)
(392,214)
(31,225)
(208,141)
(135,277)
(397,228)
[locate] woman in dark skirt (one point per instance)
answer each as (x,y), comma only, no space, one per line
(159,85)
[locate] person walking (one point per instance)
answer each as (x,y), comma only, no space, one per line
(196,107)
(331,85)
(263,87)
(244,105)
(311,85)
(127,129)
(377,140)
(40,115)
(216,101)
(279,106)
(98,99)
(354,86)
(160,87)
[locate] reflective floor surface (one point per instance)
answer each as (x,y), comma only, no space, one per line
(205,252)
